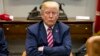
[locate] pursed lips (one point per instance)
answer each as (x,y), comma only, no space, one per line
(50,20)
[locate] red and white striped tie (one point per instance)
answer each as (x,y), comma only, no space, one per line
(50,37)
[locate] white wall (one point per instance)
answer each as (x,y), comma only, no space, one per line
(1,7)
(81,7)
(21,8)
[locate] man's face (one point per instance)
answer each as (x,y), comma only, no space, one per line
(50,15)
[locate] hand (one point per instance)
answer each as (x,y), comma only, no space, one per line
(40,48)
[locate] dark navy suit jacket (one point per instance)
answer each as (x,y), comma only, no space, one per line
(3,44)
(36,36)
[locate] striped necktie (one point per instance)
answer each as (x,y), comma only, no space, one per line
(50,37)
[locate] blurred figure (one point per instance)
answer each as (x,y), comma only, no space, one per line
(3,44)
(93,46)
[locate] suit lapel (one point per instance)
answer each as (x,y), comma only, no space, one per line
(56,33)
(43,33)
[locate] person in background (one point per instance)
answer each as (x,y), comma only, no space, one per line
(93,46)
(3,44)
(49,37)
(81,50)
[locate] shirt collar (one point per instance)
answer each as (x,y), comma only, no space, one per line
(46,27)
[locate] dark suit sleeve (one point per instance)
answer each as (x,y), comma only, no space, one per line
(31,45)
(63,50)
(3,44)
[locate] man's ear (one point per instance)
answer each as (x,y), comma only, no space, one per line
(40,13)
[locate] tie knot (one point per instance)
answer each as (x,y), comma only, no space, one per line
(50,28)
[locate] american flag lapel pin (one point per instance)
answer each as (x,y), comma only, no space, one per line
(57,30)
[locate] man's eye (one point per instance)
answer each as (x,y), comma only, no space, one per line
(54,12)
(47,12)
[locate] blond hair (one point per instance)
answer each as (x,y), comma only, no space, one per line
(50,4)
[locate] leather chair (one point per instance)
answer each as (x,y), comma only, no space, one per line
(24,53)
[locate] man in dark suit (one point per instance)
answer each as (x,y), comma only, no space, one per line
(3,44)
(41,41)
